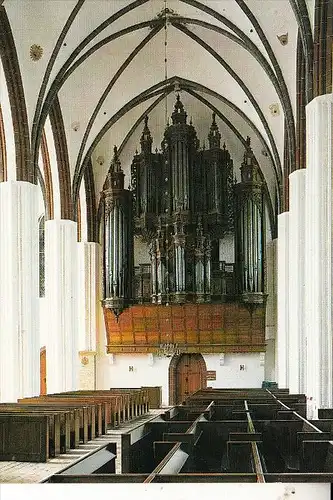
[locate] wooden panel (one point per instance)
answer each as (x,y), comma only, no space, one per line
(203,327)
(24,438)
(43,389)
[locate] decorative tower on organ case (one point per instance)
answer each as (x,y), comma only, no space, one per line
(250,231)
(118,240)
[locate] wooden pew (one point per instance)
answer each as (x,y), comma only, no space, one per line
(59,443)
(87,411)
(26,437)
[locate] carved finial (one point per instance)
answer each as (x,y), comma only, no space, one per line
(146,138)
(115,163)
(224,146)
(248,142)
(179,115)
(214,136)
(191,122)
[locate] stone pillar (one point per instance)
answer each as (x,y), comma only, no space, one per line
(88,304)
(271,306)
(19,313)
(88,296)
(283,301)
(296,351)
(318,257)
(61,297)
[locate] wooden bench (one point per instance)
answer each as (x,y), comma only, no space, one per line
(25,437)
(59,428)
(87,412)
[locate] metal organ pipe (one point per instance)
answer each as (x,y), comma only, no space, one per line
(118,239)
(250,230)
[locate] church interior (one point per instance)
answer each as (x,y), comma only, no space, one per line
(166,256)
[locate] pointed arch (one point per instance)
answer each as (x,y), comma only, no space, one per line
(60,143)
(24,166)
(49,205)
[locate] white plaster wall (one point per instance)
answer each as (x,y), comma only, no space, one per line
(44,319)
(113,371)
(229,374)
(270,360)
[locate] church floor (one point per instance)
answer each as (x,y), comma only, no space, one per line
(27,472)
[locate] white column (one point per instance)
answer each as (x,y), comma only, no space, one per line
(271,306)
(318,258)
(88,296)
(88,304)
(19,314)
(296,352)
(283,301)
(62,357)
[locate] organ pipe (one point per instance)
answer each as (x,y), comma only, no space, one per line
(118,241)
(182,201)
(249,236)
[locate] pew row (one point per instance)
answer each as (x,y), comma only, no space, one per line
(59,422)
(239,436)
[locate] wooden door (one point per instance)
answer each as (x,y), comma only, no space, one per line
(190,375)
(43,370)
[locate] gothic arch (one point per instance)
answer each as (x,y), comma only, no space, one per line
(10,63)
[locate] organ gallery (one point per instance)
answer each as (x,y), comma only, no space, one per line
(183,202)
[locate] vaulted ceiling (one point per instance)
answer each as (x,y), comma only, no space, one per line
(110,62)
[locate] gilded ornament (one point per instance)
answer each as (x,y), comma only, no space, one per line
(36,52)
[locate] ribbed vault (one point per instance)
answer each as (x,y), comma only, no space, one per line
(106,64)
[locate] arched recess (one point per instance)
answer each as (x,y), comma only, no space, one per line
(8,54)
(187,374)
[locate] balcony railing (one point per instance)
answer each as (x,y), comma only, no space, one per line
(222,282)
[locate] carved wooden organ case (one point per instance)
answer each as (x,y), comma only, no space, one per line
(182,201)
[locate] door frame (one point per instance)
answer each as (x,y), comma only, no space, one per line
(173,374)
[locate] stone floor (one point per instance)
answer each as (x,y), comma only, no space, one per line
(28,472)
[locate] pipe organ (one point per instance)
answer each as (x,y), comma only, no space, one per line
(183,201)
(118,239)
(249,234)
